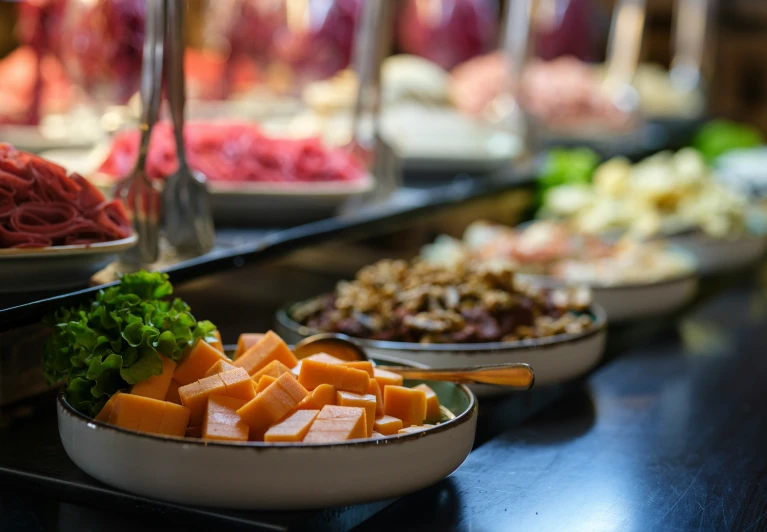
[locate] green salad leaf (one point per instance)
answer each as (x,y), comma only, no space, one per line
(116,340)
(717,137)
(566,167)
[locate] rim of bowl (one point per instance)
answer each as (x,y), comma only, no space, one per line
(459,419)
(599,324)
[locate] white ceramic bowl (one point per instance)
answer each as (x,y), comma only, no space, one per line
(719,255)
(555,359)
(58,267)
(277,476)
(633,301)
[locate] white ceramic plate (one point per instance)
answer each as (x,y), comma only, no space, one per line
(277,476)
(256,203)
(719,255)
(555,359)
(56,268)
(626,302)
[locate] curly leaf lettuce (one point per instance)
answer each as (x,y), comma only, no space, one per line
(117,340)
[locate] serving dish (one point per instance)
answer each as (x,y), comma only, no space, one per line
(556,359)
(719,255)
(57,267)
(256,475)
(272,203)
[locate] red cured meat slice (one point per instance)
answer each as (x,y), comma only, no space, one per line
(41,206)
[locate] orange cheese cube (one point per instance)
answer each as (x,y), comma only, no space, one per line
(128,413)
(319,357)
(219,367)
(365,366)
(235,383)
(172,395)
(218,344)
(275,402)
(135,412)
(386,378)
(197,362)
(337,423)
(275,368)
(407,404)
(156,386)
(221,421)
(238,384)
(106,410)
(433,413)
(387,425)
(175,420)
(375,389)
(245,342)
(271,347)
(293,428)
(314,373)
(414,428)
(368,402)
(322,395)
(264,382)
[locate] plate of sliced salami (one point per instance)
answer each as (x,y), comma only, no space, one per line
(56,230)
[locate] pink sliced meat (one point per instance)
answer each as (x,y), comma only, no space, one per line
(41,206)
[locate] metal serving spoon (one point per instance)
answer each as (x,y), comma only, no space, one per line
(188,219)
(516,376)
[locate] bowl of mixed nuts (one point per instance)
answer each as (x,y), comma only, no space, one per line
(458,315)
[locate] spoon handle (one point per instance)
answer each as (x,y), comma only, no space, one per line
(176,89)
(516,376)
(624,44)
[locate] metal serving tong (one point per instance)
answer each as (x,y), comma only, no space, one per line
(692,30)
(188,218)
(137,192)
(623,53)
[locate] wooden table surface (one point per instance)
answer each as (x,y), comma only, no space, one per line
(667,436)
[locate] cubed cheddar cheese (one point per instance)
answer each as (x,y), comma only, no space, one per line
(221,421)
(271,347)
(219,367)
(364,365)
(387,425)
(106,410)
(264,382)
(433,413)
(135,412)
(156,386)
(336,424)
(368,402)
(235,383)
(406,404)
(172,395)
(197,362)
(313,373)
(293,428)
(319,357)
(322,395)
(217,343)
(245,342)
(275,368)
(386,378)
(275,402)
(375,389)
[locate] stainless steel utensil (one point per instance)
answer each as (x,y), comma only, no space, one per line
(188,218)
(140,195)
(515,376)
(692,31)
(623,53)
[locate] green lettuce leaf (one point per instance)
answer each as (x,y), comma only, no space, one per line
(118,339)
